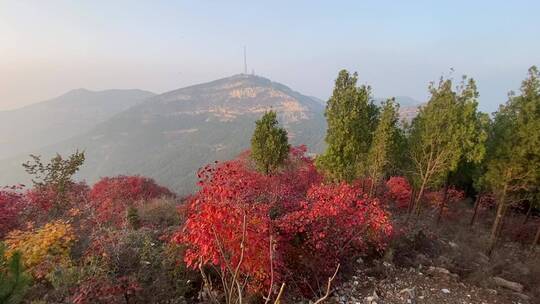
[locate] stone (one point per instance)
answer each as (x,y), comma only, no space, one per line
(441,270)
(508,284)
(444,290)
(522,296)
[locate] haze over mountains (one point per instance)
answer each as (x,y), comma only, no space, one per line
(167,136)
(48,122)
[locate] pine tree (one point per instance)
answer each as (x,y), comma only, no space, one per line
(269,144)
(13,279)
(513,165)
(352,118)
(384,144)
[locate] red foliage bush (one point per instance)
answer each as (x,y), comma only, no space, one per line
(11,204)
(312,226)
(399,191)
(111,196)
(103,290)
(42,199)
(335,224)
(435,198)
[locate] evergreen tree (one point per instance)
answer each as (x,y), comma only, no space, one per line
(352,118)
(133,219)
(445,131)
(385,142)
(472,129)
(13,279)
(269,144)
(513,165)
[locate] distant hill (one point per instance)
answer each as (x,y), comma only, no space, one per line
(169,136)
(35,126)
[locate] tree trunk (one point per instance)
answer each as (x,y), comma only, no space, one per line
(528,213)
(371,188)
(418,203)
(476,207)
(411,201)
(536,238)
(497,222)
(444,201)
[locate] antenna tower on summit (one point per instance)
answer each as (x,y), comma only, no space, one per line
(245,61)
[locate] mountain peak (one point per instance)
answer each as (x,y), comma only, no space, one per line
(231,97)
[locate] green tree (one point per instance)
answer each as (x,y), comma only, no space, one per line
(352,118)
(14,281)
(57,174)
(269,143)
(384,144)
(445,131)
(513,164)
(472,127)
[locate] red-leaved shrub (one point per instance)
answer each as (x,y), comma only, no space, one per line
(238,212)
(11,204)
(399,191)
(111,196)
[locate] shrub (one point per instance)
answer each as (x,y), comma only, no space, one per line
(42,201)
(136,264)
(42,248)
(11,204)
(335,225)
(13,279)
(160,213)
(435,198)
(274,227)
(399,191)
(111,196)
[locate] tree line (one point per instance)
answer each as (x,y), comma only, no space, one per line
(450,142)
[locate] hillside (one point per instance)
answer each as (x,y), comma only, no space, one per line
(169,136)
(49,122)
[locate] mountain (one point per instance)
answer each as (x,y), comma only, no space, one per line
(35,126)
(170,136)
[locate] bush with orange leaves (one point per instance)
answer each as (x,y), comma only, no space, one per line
(44,247)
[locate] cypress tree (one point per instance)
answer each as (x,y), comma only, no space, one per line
(269,143)
(513,165)
(446,131)
(352,118)
(384,144)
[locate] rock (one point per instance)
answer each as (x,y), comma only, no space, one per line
(435,270)
(409,294)
(421,259)
(521,268)
(522,296)
(444,290)
(359,261)
(491,291)
(508,284)
(453,245)
(482,259)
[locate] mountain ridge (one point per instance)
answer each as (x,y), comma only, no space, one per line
(44,123)
(170,135)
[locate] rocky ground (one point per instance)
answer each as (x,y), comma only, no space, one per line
(386,283)
(445,264)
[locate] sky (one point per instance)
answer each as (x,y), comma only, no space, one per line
(50,47)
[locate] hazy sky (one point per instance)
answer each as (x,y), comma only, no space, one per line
(50,47)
